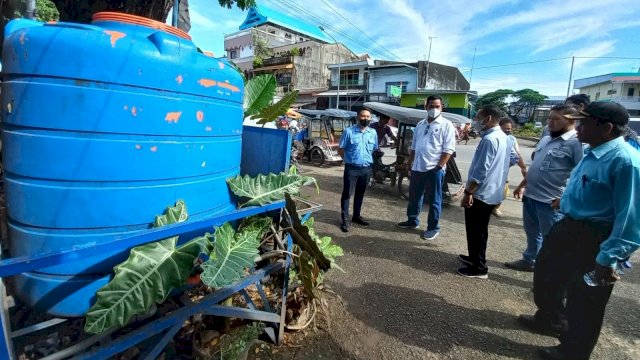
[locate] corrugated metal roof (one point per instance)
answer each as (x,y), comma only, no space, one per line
(261,15)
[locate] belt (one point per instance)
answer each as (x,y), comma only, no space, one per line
(358,166)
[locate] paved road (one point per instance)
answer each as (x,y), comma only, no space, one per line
(400,297)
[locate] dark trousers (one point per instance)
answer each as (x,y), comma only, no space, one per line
(355,184)
(568,252)
(476,222)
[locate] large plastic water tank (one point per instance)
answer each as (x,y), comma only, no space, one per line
(103,127)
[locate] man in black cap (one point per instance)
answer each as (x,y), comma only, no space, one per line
(601,227)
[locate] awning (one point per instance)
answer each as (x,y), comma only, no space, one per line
(274,67)
(342,92)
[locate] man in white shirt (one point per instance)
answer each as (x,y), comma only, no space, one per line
(434,140)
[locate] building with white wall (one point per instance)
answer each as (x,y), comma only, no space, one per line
(623,88)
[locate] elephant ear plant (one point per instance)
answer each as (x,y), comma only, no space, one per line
(258,94)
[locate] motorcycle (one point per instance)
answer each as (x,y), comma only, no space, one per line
(381,171)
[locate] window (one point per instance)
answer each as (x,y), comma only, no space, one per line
(349,77)
(610,92)
(287,36)
(388,85)
(233,54)
(598,95)
(630,91)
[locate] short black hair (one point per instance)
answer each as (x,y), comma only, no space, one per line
(505,120)
(435,97)
(578,99)
(565,109)
(492,110)
(384,117)
(363,109)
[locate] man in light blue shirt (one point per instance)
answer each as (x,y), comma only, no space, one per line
(554,158)
(356,148)
(485,189)
(434,141)
(601,227)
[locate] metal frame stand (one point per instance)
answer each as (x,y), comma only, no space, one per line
(165,327)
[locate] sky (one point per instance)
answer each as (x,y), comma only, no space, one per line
(498,32)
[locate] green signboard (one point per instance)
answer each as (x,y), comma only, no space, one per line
(395,91)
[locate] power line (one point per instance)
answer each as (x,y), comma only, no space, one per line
(521,63)
(355,27)
(288,6)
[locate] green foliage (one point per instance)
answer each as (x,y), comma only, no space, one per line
(233,344)
(497,98)
(258,93)
(146,277)
(232,253)
(271,113)
(295,51)
(331,251)
(241,4)
(528,130)
(265,189)
(527,98)
(46,11)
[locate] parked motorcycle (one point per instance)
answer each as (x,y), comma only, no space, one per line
(381,171)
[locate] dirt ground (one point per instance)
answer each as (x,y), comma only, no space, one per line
(400,296)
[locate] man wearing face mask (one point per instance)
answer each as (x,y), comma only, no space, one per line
(485,189)
(434,140)
(356,148)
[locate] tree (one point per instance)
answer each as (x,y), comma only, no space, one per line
(526,99)
(82,10)
(497,98)
(46,10)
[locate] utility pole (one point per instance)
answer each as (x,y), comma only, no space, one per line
(473,62)
(337,48)
(429,60)
(573,58)
(31,9)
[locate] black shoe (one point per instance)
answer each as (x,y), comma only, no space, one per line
(344,226)
(473,273)
(407,225)
(552,353)
(465,260)
(520,265)
(360,221)
(531,322)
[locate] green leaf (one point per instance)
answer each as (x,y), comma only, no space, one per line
(271,113)
(307,270)
(258,93)
(146,277)
(232,253)
(265,189)
(331,251)
(257,225)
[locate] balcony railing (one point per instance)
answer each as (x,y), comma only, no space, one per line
(626,98)
(347,85)
(280,60)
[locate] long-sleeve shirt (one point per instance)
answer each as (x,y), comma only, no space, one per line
(490,166)
(605,187)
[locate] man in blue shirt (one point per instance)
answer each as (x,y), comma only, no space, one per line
(485,189)
(600,227)
(356,148)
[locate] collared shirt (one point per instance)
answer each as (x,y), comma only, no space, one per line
(358,145)
(513,144)
(381,130)
(490,166)
(430,141)
(605,187)
(551,166)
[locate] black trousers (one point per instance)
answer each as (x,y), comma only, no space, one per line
(355,184)
(568,252)
(476,222)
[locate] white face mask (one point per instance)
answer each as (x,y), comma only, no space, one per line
(433,113)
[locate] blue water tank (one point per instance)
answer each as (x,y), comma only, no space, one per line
(103,127)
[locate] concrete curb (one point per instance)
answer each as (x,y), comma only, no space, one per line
(526,138)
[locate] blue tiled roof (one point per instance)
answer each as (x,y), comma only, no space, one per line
(262,15)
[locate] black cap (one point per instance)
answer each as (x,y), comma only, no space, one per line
(607,111)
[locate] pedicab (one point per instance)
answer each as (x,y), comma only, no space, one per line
(397,172)
(319,140)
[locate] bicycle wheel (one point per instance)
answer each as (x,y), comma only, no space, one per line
(403,184)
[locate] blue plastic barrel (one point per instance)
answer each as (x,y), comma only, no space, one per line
(103,127)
